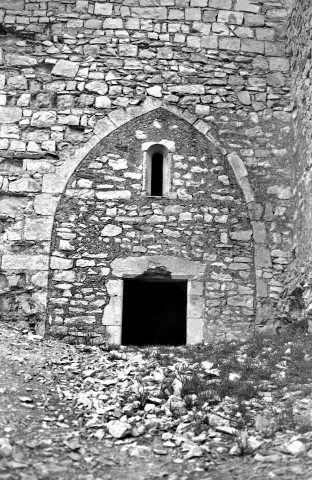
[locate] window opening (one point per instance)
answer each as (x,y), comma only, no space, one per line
(157,174)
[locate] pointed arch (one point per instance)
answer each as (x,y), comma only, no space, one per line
(54,184)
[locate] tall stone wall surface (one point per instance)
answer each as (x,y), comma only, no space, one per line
(74,72)
(298,278)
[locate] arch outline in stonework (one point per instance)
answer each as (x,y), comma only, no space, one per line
(54,184)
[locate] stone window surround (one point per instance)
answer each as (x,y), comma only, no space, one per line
(166,148)
(180,269)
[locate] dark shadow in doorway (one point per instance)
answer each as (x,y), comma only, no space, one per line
(154,312)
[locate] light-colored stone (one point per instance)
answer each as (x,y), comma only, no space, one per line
(59,263)
(247,6)
(65,68)
(113,312)
(114,334)
(98,87)
(114,288)
(111,231)
(38,228)
(45,204)
(12,206)
(284,193)
(105,9)
(44,119)
(114,195)
(10,114)
(15,60)
(25,262)
(118,428)
(241,235)
(24,185)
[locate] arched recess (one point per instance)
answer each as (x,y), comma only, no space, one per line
(55,184)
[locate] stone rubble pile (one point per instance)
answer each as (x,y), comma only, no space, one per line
(127,397)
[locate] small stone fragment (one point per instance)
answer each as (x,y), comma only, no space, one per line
(5,447)
(119,429)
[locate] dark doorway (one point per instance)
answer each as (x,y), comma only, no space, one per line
(154,312)
(157,175)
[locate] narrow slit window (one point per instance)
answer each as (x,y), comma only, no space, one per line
(157,174)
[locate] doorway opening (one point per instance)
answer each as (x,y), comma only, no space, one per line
(157,175)
(154,312)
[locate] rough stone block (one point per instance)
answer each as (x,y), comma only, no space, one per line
(25,262)
(188,89)
(10,114)
(221,4)
(114,288)
(15,60)
(24,185)
(195,306)
(262,257)
(241,235)
(274,49)
(158,13)
(59,263)
(252,46)
(53,183)
(104,8)
(230,17)
(209,42)
(254,20)
(262,288)
(102,102)
(12,5)
(266,34)
(45,204)
(230,43)
(283,193)
(65,68)
(114,334)
(247,6)
(127,50)
(259,232)
(38,228)
(114,195)
(192,14)
(277,13)
(112,23)
(113,312)
(93,24)
(104,127)
(244,32)
(43,119)
(244,97)
(195,327)
(195,288)
(275,80)
(97,86)
(12,206)
(111,231)
(279,64)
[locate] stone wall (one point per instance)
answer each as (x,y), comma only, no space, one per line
(298,278)
(73,72)
(105,215)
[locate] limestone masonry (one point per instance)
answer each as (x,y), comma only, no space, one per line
(89,91)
